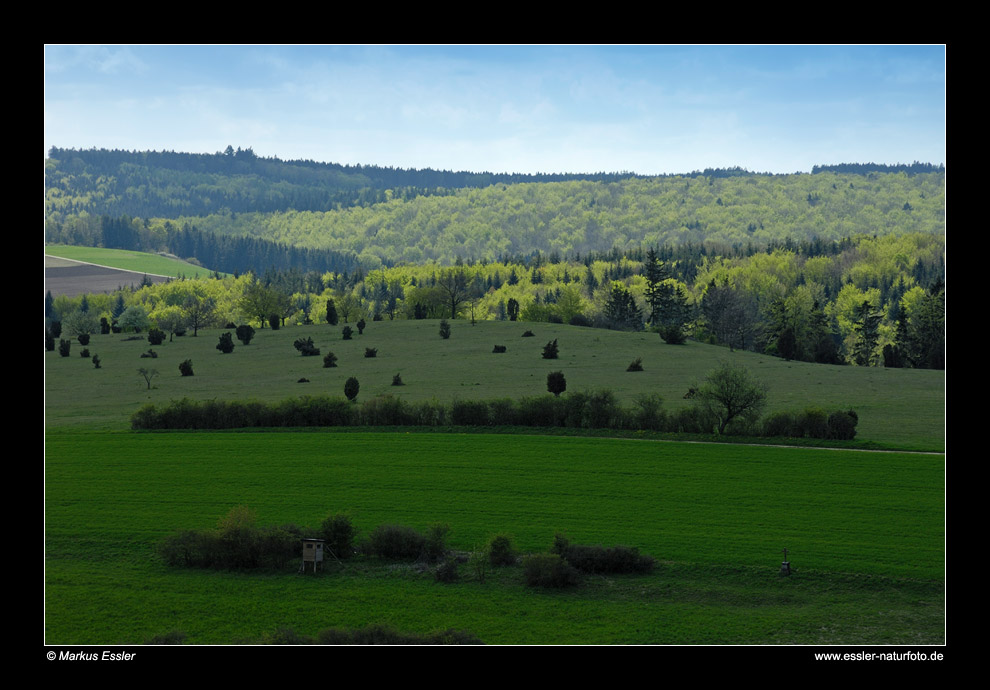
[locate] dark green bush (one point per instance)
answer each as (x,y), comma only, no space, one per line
(84,353)
(338,535)
(245,333)
(813,423)
(435,548)
(550,350)
(444,329)
(469,413)
(602,411)
(83,338)
(556,383)
(385,410)
(64,347)
(96,361)
(842,425)
(648,413)
(329,360)
(529,334)
(306,348)
(549,570)
(371,352)
(361,325)
(501,551)
(382,635)
(226,344)
(397,380)
(672,335)
(156,336)
(602,559)
(499,349)
(781,424)
(396,542)
(171,637)
(347,332)
(636,365)
(274,321)
(351,388)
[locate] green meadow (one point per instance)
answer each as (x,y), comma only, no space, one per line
(140,262)
(864,530)
(897,408)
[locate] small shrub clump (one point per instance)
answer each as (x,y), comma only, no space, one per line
(499,349)
(245,333)
(226,344)
(556,383)
(396,542)
(305,347)
(635,365)
(156,336)
(397,380)
(329,360)
(602,559)
(64,347)
(338,535)
(361,326)
(500,550)
(84,353)
(444,329)
(550,350)
(186,368)
(529,334)
(347,332)
(351,388)
(549,570)
(371,352)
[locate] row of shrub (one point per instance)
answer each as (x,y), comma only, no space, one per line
(238,543)
(589,410)
(371,635)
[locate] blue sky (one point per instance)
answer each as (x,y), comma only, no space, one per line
(646,109)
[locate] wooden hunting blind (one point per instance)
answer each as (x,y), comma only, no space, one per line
(312,552)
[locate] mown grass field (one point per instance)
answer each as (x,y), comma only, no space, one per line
(899,408)
(864,530)
(140,262)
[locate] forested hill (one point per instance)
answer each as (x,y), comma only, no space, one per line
(167,184)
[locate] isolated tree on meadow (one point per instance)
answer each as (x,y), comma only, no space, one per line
(351,388)
(556,383)
(730,392)
(148,375)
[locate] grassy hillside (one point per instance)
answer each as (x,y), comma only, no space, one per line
(864,533)
(899,407)
(139,262)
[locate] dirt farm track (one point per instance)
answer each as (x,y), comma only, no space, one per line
(71,278)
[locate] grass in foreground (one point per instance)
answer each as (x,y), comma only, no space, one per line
(865,533)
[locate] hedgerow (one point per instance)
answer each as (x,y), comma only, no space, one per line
(586,410)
